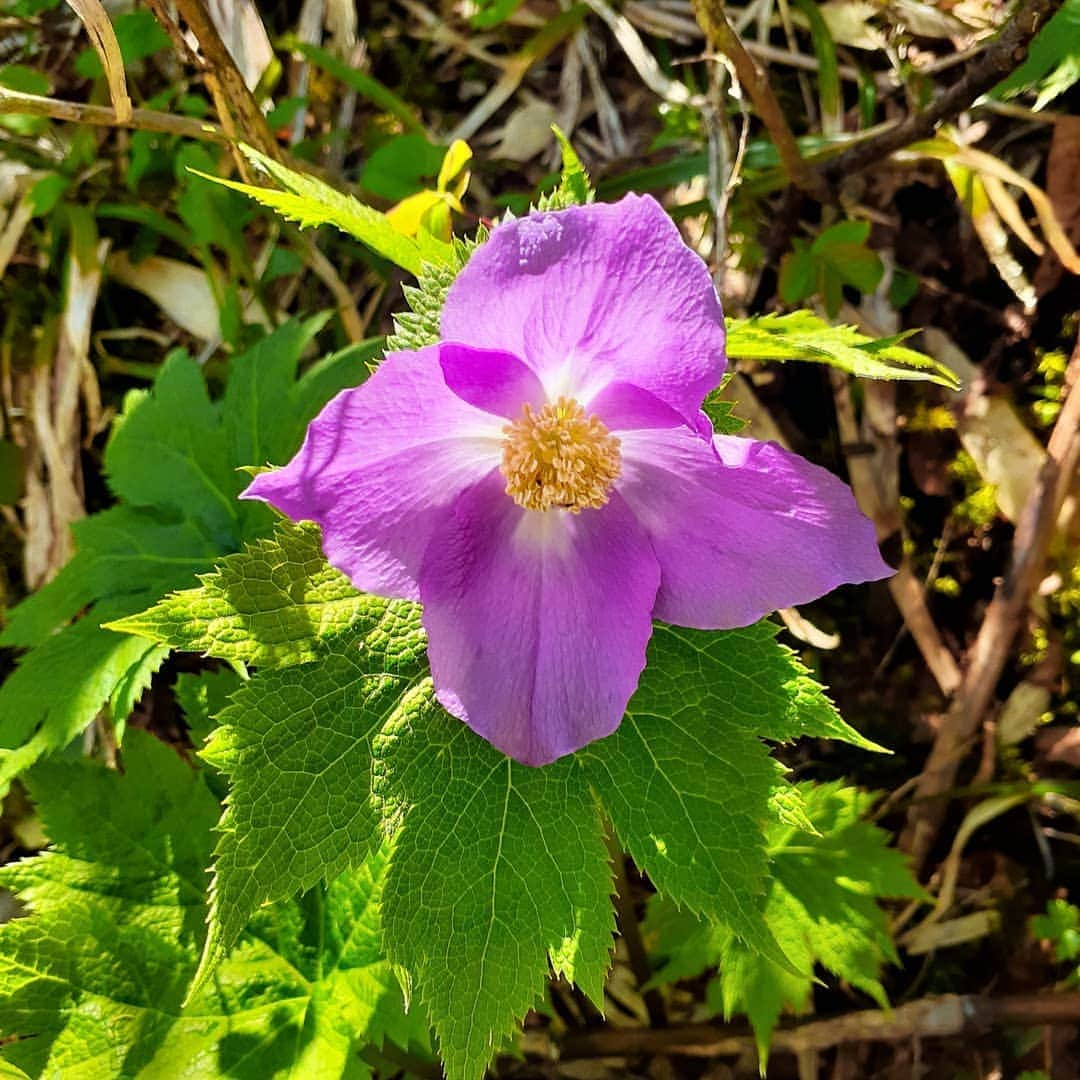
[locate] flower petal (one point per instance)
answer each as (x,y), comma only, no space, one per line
(622,406)
(593,294)
(537,622)
(742,527)
(492,380)
(379,466)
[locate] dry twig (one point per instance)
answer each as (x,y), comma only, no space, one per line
(1002,56)
(236,106)
(719,31)
(15,102)
(950,1014)
(1000,624)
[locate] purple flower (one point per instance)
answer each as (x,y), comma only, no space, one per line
(545,483)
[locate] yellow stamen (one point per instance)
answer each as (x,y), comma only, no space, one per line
(559,458)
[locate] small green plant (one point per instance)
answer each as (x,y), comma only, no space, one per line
(838,256)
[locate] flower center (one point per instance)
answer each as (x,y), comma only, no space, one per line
(559,457)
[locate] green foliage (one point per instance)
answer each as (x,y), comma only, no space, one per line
(273,605)
(1061,927)
(801,335)
(172,461)
(835,258)
(92,980)
(309,201)
(400,166)
(827,873)
(574,188)
(138,34)
(1053,59)
(496,867)
(419,326)
(490,13)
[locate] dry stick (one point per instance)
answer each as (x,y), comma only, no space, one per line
(219,67)
(12,101)
(714,23)
(998,59)
(950,1014)
(1034,530)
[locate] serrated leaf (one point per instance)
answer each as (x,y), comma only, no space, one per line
(92,979)
(309,201)
(325,755)
(496,867)
(168,450)
(172,460)
(801,335)
(296,745)
(119,552)
(419,326)
(822,907)
(686,779)
(59,688)
(272,605)
(574,188)
(722,414)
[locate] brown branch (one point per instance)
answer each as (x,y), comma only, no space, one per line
(950,1014)
(909,595)
(14,102)
(721,35)
(236,105)
(1034,530)
(1001,57)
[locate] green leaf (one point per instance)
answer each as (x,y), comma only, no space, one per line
(172,461)
(842,248)
(273,604)
(496,867)
(168,450)
(296,745)
(119,552)
(326,377)
(798,276)
(490,13)
(59,687)
(1053,59)
(261,383)
(309,201)
(821,905)
(1060,925)
(91,981)
(202,697)
(721,414)
(400,166)
(419,326)
(801,335)
(574,188)
(686,779)
(138,34)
